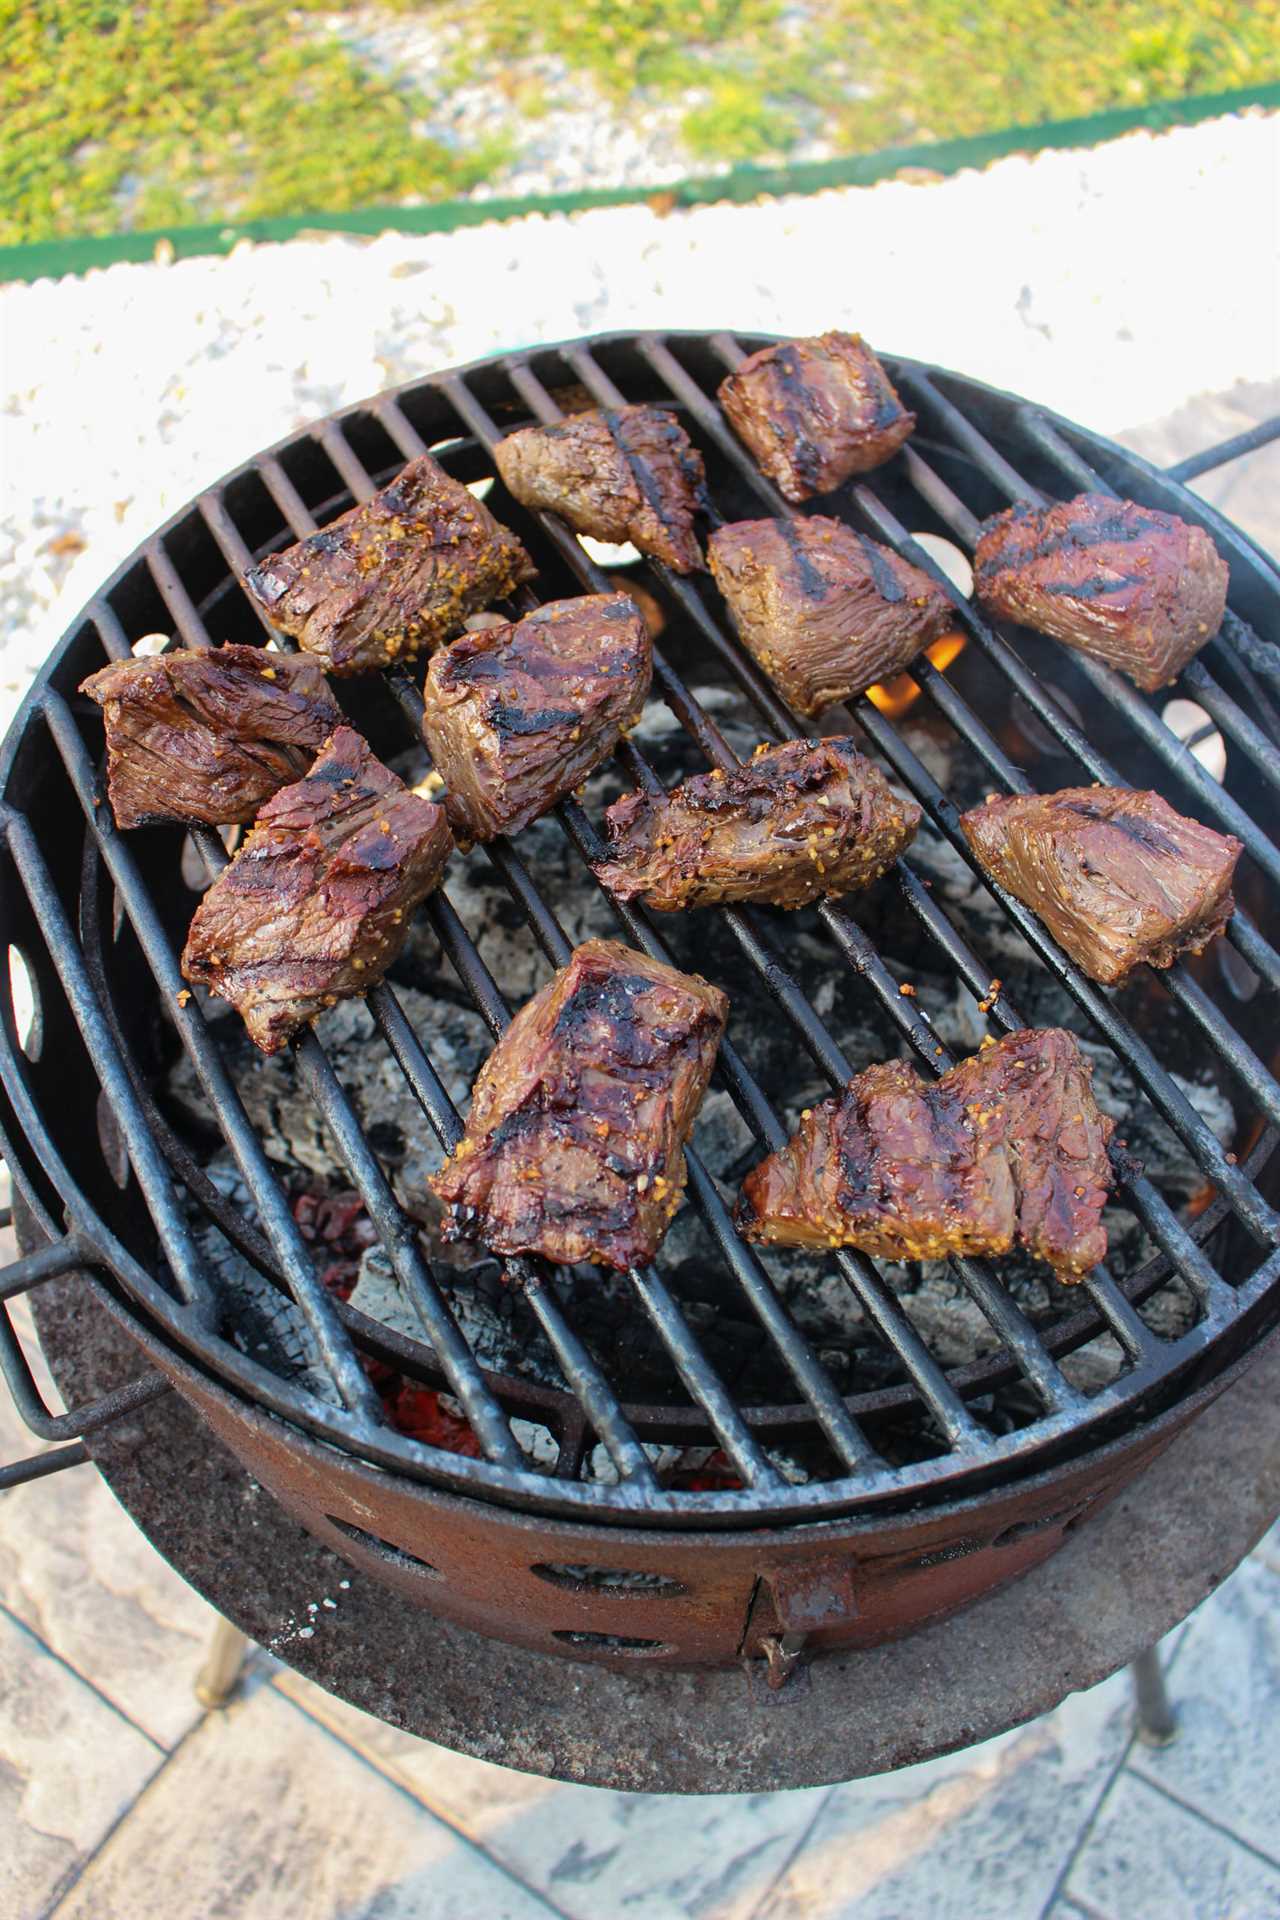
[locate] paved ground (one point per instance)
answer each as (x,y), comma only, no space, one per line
(118,1796)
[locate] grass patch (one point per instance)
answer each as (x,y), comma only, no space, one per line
(178,111)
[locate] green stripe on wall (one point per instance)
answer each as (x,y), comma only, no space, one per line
(740,184)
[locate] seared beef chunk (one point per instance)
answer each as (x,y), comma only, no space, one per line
(393,577)
(316,904)
(517,716)
(1117,877)
(1009,1145)
(208,735)
(574,1147)
(1139,589)
(622,473)
(824,610)
(813,412)
(801,822)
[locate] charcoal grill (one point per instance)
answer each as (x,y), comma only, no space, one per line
(918,1499)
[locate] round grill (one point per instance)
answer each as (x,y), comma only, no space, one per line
(97,919)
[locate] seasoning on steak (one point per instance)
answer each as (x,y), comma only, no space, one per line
(824,610)
(516,716)
(317,902)
(805,821)
(393,577)
(208,734)
(616,473)
(815,411)
(574,1147)
(1139,589)
(1117,877)
(1008,1146)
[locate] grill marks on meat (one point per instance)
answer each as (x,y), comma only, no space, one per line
(801,822)
(815,411)
(574,1147)
(1007,1146)
(394,577)
(208,735)
(516,716)
(1139,589)
(825,611)
(616,473)
(1117,877)
(316,904)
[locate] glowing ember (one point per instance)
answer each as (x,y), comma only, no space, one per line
(893,697)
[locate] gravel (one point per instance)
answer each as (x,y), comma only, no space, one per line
(128,389)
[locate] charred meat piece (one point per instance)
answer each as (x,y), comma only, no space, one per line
(801,822)
(316,904)
(208,735)
(616,473)
(1008,1146)
(815,411)
(823,609)
(517,716)
(1139,589)
(574,1147)
(393,577)
(1117,877)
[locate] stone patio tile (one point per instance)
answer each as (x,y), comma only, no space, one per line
(1247,491)
(261,1815)
(983,1833)
(76,1570)
(1150,1859)
(597,1854)
(1225,1682)
(69,1767)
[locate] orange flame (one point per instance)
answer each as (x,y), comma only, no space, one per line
(894,697)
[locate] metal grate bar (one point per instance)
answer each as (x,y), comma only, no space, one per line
(147,1161)
(948,1409)
(1235,448)
(597,1398)
(886,737)
(810,1376)
(1005,1317)
(593,1389)
(332,1344)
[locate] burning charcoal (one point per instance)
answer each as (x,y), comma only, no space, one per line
(815,411)
(315,906)
(393,577)
(1009,1145)
(1139,589)
(208,735)
(625,473)
(516,716)
(806,821)
(824,610)
(1117,877)
(574,1145)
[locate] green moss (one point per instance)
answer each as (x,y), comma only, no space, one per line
(176,111)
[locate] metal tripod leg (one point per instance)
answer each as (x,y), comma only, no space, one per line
(223,1663)
(1156,1722)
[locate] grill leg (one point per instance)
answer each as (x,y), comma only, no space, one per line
(1156,1722)
(216,1680)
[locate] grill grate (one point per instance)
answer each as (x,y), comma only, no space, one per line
(283,496)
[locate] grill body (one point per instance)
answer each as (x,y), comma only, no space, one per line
(872,1543)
